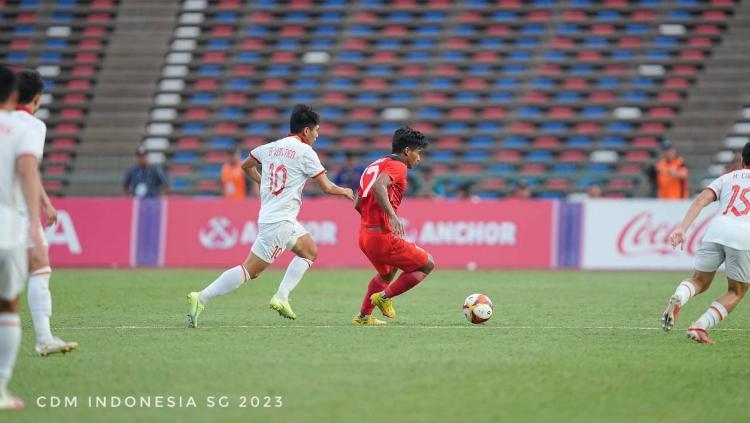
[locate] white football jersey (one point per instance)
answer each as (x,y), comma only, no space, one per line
(13,144)
(33,141)
(287,165)
(731,226)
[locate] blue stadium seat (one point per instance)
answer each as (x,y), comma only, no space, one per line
(608,82)
(279,70)
(306,84)
(567,96)
(382,70)
(488,127)
(358,128)
(581,69)
(455,127)
(501,97)
(597,168)
(579,141)
(230,113)
(423,43)
(50,57)
(515,141)
(367,97)
(193,128)
(637,29)
(417,56)
(440,84)
(239,84)
(658,55)
(23,30)
(429,113)
(60,17)
(268,98)
(569,29)
(55,44)
(257,31)
(594,112)
(202,98)
(319,44)
(634,96)
(442,156)
(406,84)
(222,143)
(311,70)
(210,70)
(529,112)
(595,42)
(184,157)
(388,128)
(331,113)
(500,168)
(296,17)
(466,97)
(553,127)
(491,43)
(302,97)
(563,168)
(288,44)
(506,83)
(258,128)
(614,141)
(554,56)
(218,45)
(16,57)
(226,17)
(504,17)
(666,42)
(435,16)
(388,44)
(362,30)
(429,30)
(539,156)
(247,57)
(340,84)
(481,142)
(476,156)
(520,56)
(210,170)
(623,55)
(620,127)
(326,30)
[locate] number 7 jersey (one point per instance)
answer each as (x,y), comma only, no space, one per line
(287,165)
(371,214)
(731,226)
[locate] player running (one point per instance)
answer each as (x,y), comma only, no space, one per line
(30,86)
(727,241)
(287,164)
(381,188)
(19,188)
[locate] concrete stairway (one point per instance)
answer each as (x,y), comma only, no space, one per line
(123,96)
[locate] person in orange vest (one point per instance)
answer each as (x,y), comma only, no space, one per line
(233,181)
(671,174)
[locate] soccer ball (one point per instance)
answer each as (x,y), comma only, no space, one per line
(477,308)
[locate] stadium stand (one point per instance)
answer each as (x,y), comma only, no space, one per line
(66,41)
(561,94)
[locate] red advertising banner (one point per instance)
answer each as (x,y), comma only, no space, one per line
(459,234)
(92,232)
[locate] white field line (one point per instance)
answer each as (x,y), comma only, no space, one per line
(413,327)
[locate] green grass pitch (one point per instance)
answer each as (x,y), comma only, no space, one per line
(562,346)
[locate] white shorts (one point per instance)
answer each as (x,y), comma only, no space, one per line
(711,255)
(274,238)
(13,271)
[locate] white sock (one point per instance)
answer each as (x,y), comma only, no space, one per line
(224,284)
(685,291)
(712,316)
(40,303)
(10,341)
(293,275)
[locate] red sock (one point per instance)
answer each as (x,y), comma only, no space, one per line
(377,284)
(404,283)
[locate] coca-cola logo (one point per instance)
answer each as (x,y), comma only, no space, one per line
(644,235)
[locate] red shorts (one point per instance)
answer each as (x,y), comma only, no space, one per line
(386,251)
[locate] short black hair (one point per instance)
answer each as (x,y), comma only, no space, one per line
(407,137)
(30,84)
(303,117)
(746,154)
(8,83)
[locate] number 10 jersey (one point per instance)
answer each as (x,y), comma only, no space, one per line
(287,165)
(731,226)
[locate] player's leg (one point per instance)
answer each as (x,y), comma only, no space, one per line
(385,275)
(306,252)
(375,245)
(263,252)
(738,279)
(13,266)
(416,264)
(40,306)
(708,259)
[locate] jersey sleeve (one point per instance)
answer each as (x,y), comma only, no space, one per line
(311,165)
(257,153)
(716,185)
(29,143)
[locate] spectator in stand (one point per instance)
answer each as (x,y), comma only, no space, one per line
(521,190)
(233,179)
(594,191)
(144,179)
(671,174)
(430,188)
(349,174)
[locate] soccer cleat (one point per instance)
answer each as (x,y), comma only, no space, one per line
(195,308)
(699,335)
(670,313)
(385,306)
(367,321)
(53,346)
(9,402)
(283,307)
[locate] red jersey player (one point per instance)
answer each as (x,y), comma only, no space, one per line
(381,188)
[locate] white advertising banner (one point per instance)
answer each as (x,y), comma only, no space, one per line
(634,234)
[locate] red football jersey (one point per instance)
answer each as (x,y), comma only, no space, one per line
(371,214)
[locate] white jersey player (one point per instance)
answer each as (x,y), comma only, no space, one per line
(30,86)
(19,188)
(727,241)
(286,166)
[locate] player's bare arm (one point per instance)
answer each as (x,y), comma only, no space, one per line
(50,212)
(250,167)
(27,167)
(381,195)
(357,205)
(705,198)
(328,187)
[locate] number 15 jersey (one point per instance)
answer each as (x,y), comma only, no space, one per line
(287,165)
(731,226)
(371,213)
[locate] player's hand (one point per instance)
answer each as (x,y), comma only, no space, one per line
(37,248)
(396,226)
(348,193)
(50,212)
(678,238)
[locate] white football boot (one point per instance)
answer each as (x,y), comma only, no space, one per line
(9,402)
(54,345)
